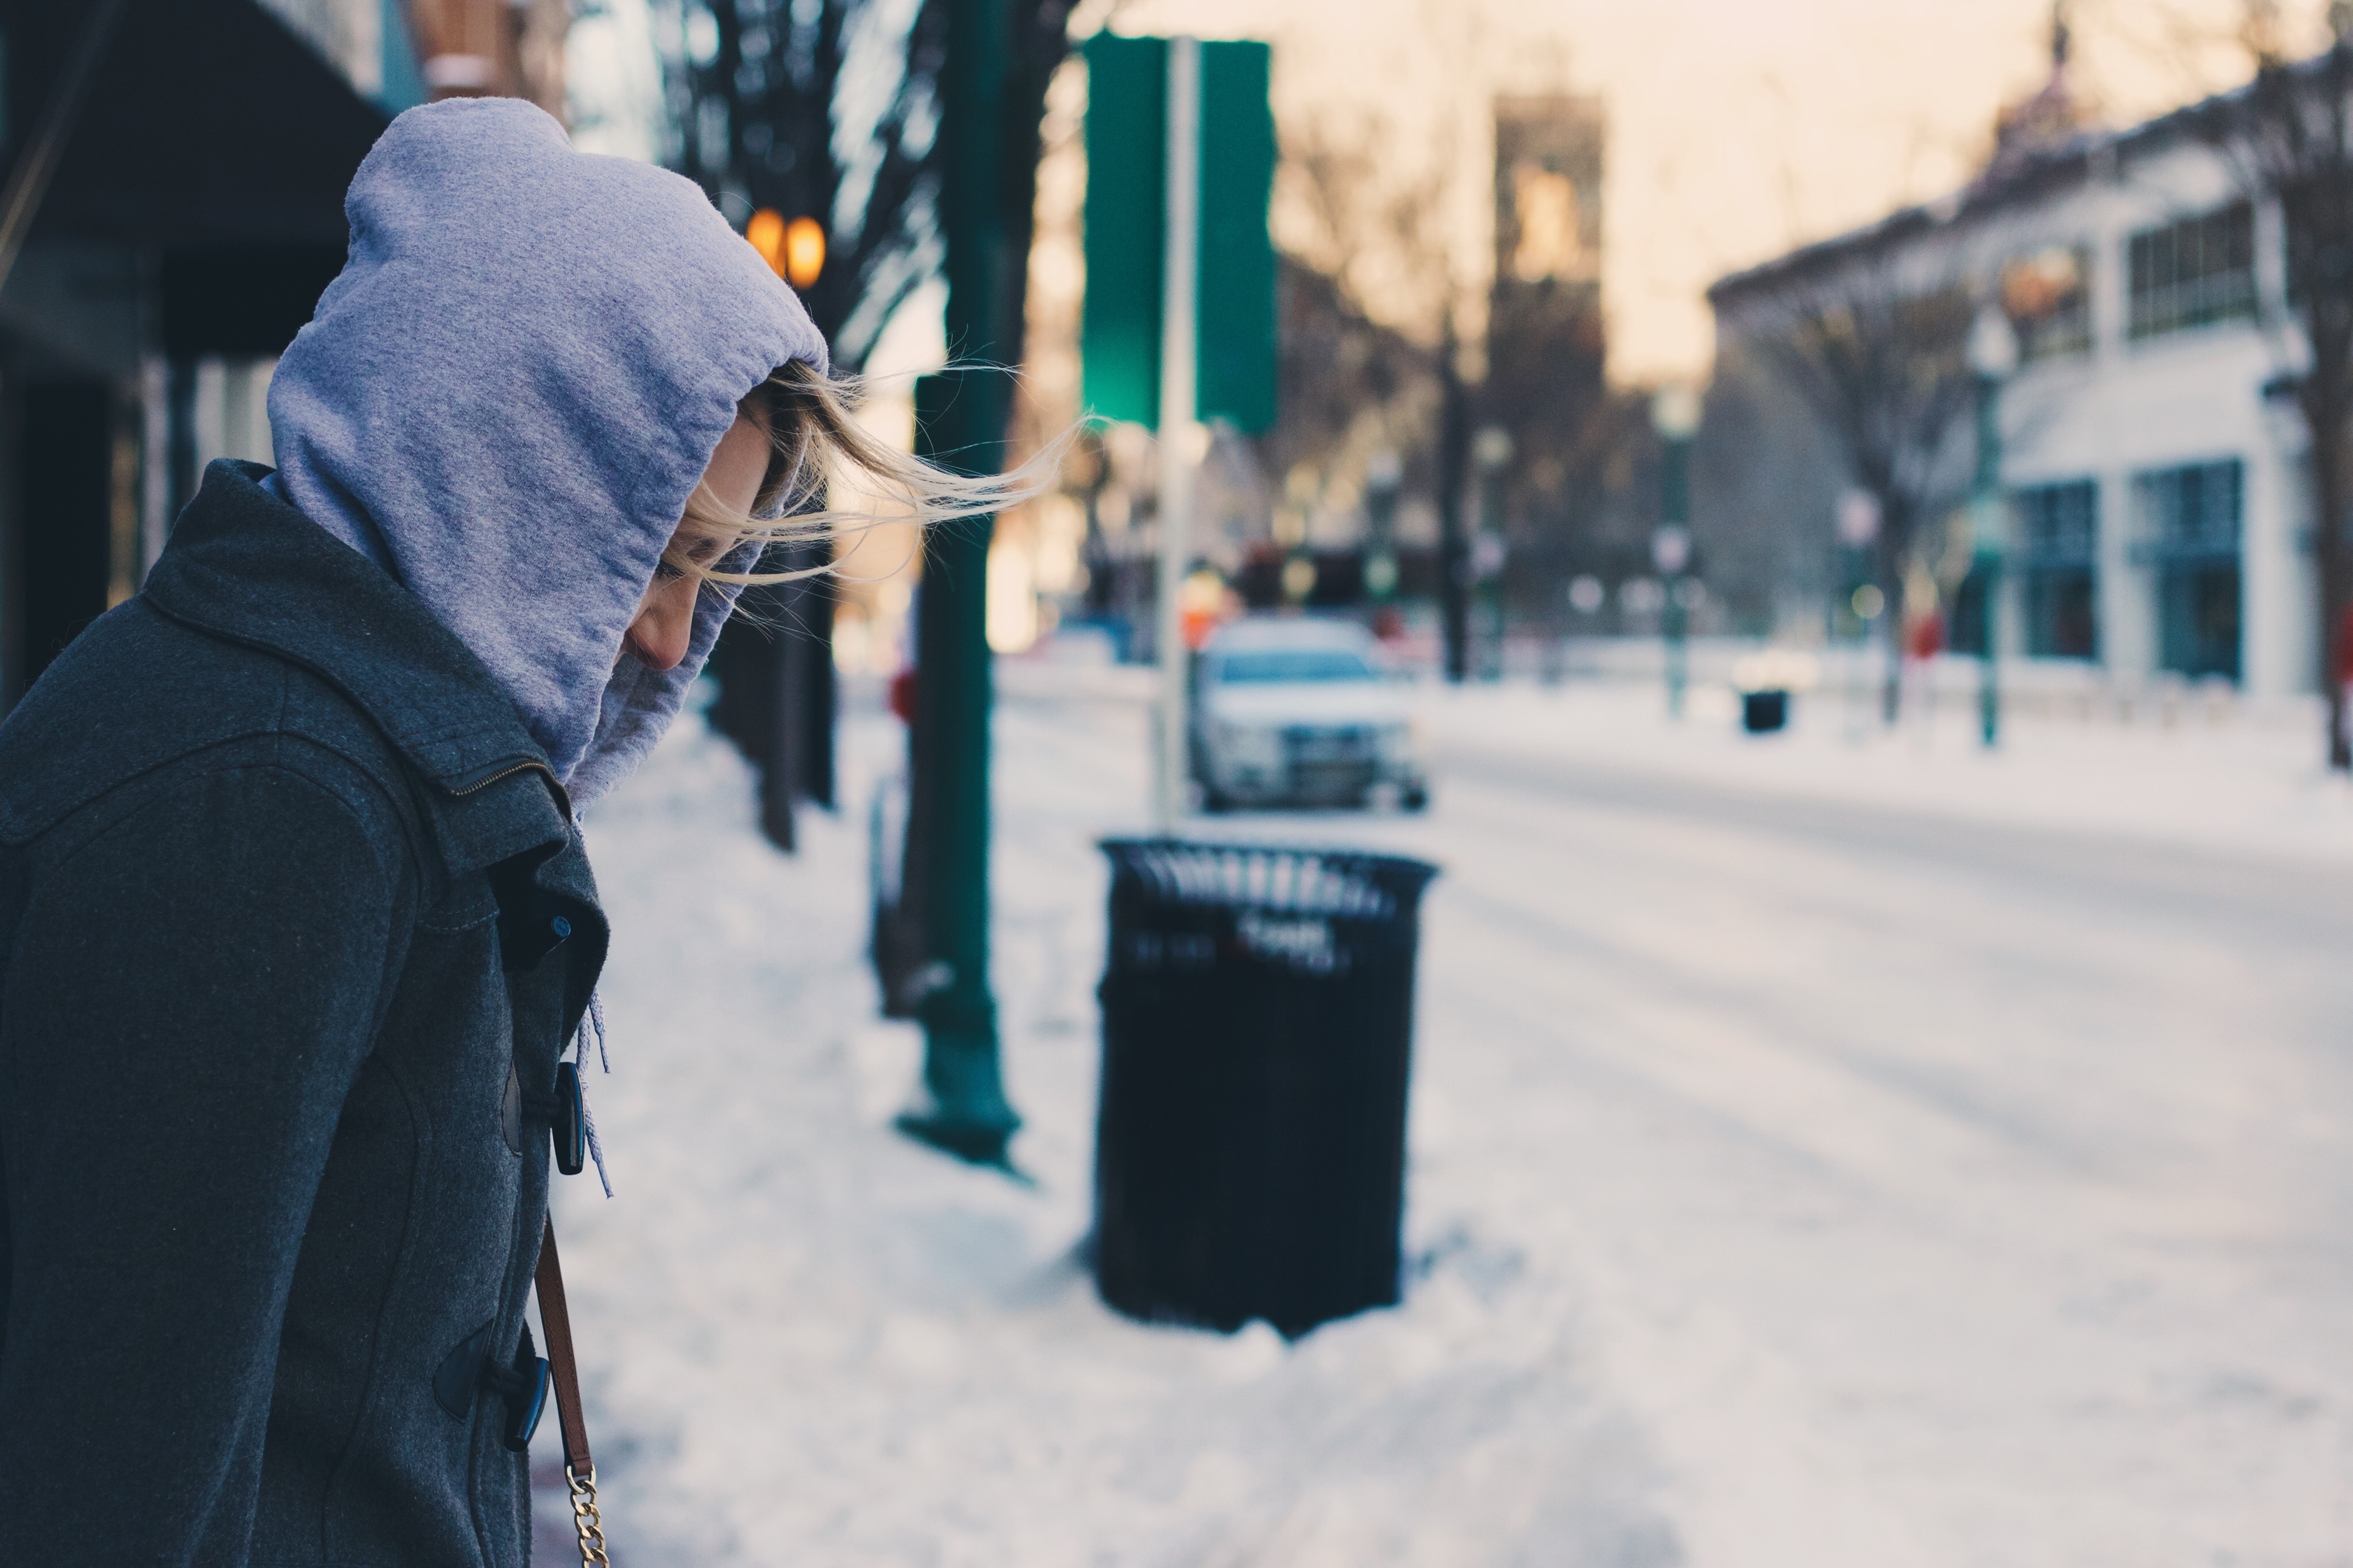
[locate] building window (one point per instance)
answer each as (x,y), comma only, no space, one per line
(1550,245)
(2188,523)
(2049,297)
(2192,273)
(2058,565)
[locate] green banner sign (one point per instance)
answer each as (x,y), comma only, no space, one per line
(1127,116)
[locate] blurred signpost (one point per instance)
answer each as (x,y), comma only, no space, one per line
(1383,478)
(1491,454)
(1180,312)
(1857,527)
(1180,430)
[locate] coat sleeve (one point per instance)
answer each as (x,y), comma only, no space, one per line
(188,1001)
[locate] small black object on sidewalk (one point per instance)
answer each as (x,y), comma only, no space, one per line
(1763,712)
(1258,1020)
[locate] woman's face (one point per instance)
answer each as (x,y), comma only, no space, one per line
(657,635)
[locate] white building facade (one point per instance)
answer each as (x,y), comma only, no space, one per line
(2161,522)
(2160,519)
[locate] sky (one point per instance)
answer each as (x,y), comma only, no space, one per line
(1737,128)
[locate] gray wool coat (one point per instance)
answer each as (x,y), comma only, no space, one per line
(294,927)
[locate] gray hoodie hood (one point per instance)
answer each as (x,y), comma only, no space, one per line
(508,394)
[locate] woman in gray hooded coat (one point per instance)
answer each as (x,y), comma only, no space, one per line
(296,928)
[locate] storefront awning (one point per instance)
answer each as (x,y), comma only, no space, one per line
(210,136)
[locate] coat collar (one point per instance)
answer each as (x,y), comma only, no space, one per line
(245,566)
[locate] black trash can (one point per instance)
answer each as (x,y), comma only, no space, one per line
(1257,1022)
(1762,712)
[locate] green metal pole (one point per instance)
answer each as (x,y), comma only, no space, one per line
(964,426)
(1990,681)
(1678,660)
(1986,524)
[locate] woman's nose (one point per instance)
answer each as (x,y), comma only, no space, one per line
(657,638)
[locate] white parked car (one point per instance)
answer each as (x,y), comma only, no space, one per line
(1297,711)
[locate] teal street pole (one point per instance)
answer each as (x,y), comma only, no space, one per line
(1674,414)
(1993,356)
(963,417)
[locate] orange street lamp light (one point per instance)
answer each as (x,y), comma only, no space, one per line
(793,251)
(804,252)
(766,233)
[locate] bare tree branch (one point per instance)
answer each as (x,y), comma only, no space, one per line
(1876,347)
(2288,138)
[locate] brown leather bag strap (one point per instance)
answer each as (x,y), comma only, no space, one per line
(564,1372)
(562,1369)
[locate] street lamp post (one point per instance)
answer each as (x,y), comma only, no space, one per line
(1384,478)
(1674,415)
(1491,454)
(1993,356)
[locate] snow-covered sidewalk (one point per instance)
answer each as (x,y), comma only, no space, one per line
(808,1341)
(1775,1202)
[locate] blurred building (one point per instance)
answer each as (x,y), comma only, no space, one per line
(178,168)
(174,183)
(2159,522)
(472,48)
(400,52)
(1547,449)
(1545,332)
(367,40)
(1350,466)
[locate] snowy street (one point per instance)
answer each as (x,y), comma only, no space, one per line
(1820,1157)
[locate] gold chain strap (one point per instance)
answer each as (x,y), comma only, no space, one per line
(586,1519)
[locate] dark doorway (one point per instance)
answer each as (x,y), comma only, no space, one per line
(2059,532)
(64,514)
(2063,613)
(2190,517)
(2198,614)
(1965,623)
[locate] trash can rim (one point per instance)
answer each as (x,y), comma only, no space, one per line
(1304,879)
(1114,844)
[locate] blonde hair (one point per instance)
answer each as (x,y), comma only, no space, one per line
(815,441)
